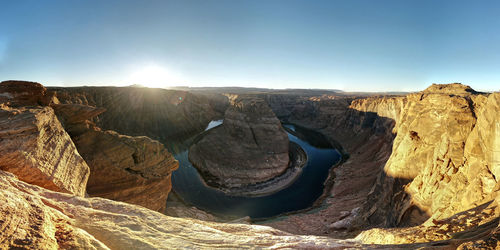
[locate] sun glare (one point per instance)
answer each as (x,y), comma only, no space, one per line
(154,76)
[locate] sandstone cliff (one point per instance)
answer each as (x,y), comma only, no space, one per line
(37,148)
(425,157)
(136,169)
(249,147)
(33,144)
(428,160)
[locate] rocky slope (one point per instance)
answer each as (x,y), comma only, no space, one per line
(249,147)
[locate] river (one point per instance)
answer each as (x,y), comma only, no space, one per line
(187,183)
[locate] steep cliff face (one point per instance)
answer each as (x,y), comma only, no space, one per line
(433,155)
(428,160)
(33,144)
(135,170)
(22,93)
(440,155)
(249,147)
(363,136)
(157,113)
(35,147)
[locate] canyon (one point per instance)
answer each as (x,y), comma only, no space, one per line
(77,170)
(249,147)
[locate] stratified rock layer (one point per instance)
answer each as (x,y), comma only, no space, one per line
(249,147)
(23,93)
(35,218)
(35,147)
(136,169)
(421,158)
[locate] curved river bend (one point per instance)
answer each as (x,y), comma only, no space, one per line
(187,183)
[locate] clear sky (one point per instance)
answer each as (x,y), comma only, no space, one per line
(398,45)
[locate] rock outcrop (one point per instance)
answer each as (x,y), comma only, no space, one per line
(135,170)
(35,147)
(23,93)
(428,161)
(249,147)
(36,218)
(446,166)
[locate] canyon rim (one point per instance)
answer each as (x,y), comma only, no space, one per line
(418,170)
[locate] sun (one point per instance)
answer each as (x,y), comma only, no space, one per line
(155,76)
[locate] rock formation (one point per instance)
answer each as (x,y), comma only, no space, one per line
(33,144)
(36,218)
(422,157)
(249,147)
(35,147)
(136,169)
(422,167)
(22,93)
(132,169)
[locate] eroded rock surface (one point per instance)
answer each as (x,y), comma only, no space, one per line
(35,147)
(420,158)
(249,147)
(23,93)
(33,217)
(133,169)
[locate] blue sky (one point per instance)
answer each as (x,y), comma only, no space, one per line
(398,45)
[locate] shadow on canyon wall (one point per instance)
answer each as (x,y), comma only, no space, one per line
(176,117)
(365,139)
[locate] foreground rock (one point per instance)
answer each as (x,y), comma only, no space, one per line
(33,217)
(248,148)
(135,170)
(35,147)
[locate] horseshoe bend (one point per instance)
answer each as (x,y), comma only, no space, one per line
(136,167)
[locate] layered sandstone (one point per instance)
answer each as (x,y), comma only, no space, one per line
(23,93)
(428,157)
(133,169)
(446,165)
(249,147)
(35,147)
(36,218)
(421,158)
